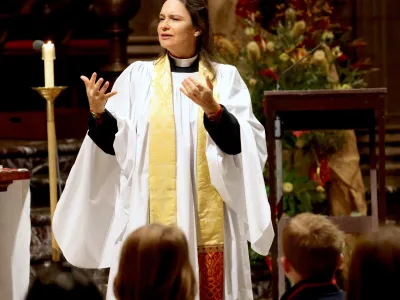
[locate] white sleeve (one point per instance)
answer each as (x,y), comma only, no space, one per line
(138,81)
(239,178)
(85,211)
(86,222)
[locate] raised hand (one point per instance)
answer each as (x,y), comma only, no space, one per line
(200,94)
(96,93)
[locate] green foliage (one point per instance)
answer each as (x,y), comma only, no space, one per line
(324,143)
(262,55)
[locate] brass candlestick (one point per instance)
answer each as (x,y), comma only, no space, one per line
(50,94)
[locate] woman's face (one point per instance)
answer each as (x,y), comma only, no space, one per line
(176,31)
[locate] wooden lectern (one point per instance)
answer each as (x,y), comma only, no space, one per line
(10,175)
(319,110)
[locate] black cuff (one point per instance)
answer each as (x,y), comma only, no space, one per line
(225,133)
(103,132)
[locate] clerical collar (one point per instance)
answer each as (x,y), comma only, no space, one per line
(187,65)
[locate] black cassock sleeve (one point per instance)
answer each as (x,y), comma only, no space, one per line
(103,132)
(225,133)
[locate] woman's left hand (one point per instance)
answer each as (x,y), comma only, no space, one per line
(200,94)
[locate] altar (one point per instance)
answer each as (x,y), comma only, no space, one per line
(15,233)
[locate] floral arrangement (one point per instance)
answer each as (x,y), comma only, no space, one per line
(263,54)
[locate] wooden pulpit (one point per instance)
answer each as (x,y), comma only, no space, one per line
(323,110)
(8,176)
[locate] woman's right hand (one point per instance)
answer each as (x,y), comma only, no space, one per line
(96,93)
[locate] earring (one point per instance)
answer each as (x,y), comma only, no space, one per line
(196,33)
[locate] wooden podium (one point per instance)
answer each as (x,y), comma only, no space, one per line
(319,110)
(8,176)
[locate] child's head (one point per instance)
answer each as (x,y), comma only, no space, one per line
(375,265)
(312,248)
(63,282)
(155,264)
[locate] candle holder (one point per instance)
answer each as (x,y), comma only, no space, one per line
(50,94)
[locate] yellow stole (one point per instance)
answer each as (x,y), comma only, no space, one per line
(162,179)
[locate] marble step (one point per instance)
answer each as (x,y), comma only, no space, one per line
(41,248)
(22,149)
(32,155)
(40,189)
(99,277)
(41,235)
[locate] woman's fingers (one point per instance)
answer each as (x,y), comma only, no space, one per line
(209,83)
(110,94)
(85,81)
(189,95)
(104,88)
(191,83)
(195,83)
(92,80)
(191,90)
(185,87)
(96,88)
(183,90)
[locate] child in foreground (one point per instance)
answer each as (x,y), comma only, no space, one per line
(312,252)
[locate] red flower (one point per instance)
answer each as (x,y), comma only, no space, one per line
(362,65)
(299,133)
(268,260)
(356,65)
(257,39)
(309,43)
(244,8)
(268,73)
(325,173)
(342,58)
(322,24)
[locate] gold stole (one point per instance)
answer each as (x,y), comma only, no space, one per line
(162,180)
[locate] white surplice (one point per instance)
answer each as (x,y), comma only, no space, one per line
(15,237)
(106,197)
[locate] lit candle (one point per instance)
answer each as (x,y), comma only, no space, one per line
(48,56)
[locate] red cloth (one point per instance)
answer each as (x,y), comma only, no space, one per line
(211,269)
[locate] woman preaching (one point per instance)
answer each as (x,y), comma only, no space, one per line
(175,142)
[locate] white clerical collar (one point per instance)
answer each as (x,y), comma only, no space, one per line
(184,62)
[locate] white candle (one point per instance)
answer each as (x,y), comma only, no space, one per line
(48,56)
